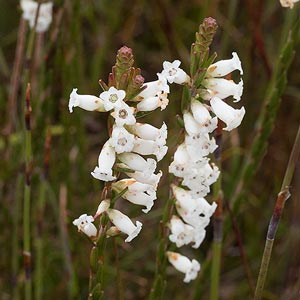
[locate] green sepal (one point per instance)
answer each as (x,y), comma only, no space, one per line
(186,96)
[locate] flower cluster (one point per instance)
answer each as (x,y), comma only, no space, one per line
(133,149)
(192,164)
(44,19)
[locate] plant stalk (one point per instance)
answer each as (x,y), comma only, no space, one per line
(217,222)
(27,196)
(277,213)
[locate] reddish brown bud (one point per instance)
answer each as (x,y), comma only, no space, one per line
(125,51)
(139,80)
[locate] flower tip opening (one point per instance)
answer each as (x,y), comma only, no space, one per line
(134,233)
(237,62)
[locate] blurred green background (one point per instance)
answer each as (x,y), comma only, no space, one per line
(79,49)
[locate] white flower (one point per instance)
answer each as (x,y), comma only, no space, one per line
(223,88)
(137,163)
(173,73)
(181,233)
(112,98)
(153,88)
(194,211)
(103,206)
(149,132)
(87,102)
(203,117)
(232,117)
(199,145)
(180,163)
(149,104)
(140,198)
(124,114)
(224,67)
(184,265)
(137,193)
(205,175)
(288,3)
(122,140)
(184,200)
(153,179)
(147,147)
(190,124)
(124,224)
(200,191)
(44,19)
(106,160)
(198,236)
(85,225)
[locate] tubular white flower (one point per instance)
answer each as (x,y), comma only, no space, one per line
(173,73)
(212,173)
(147,147)
(85,225)
(199,145)
(194,211)
(181,233)
(200,191)
(87,102)
(224,88)
(198,236)
(224,67)
(133,186)
(137,163)
(179,165)
(124,115)
(190,124)
(288,3)
(149,104)
(106,160)
(124,224)
(203,117)
(149,132)
(153,179)
(122,140)
(184,265)
(44,19)
(140,198)
(137,193)
(103,206)
(112,98)
(232,117)
(184,200)
(205,175)
(153,88)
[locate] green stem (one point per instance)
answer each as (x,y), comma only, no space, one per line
(159,283)
(274,222)
(27,196)
(96,280)
(215,270)
(218,223)
(39,274)
(15,238)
